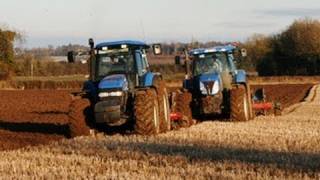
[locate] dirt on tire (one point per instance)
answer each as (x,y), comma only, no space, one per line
(164,114)
(237,108)
(211,104)
(77,117)
(182,104)
(144,105)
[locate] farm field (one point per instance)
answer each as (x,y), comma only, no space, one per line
(34,135)
(160,90)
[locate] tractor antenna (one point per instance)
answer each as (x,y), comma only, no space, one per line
(143,31)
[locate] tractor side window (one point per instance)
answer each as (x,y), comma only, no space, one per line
(141,64)
(222,59)
(231,61)
(145,60)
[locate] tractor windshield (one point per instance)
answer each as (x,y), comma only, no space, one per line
(210,63)
(114,63)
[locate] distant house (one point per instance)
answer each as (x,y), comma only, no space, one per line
(59,58)
(78,58)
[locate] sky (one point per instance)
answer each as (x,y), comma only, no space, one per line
(59,22)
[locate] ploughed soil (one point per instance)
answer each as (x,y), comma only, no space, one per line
(286,94)
(35,106)
(35,117)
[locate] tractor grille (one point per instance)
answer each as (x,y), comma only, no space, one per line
(113,101)
(209,86)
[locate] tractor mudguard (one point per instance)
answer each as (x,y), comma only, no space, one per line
(241,76)
(90,90)
(187,84)
(150,78)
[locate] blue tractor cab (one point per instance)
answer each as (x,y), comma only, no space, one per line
(208,65)
(213,79)
(122,89)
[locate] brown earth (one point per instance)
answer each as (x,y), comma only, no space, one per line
(35,106)
(34,117)
(286,94)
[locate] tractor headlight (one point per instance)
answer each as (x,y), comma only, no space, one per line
(215,88)
(110,94)
(203,89)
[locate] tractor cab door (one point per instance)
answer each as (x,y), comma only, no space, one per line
(142,66)
(231,63)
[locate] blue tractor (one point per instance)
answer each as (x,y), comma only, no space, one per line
(216,85)
(123,90)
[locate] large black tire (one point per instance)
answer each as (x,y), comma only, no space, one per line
(146,112)
(164,106)
(239,104)
(77,117)
(182,104)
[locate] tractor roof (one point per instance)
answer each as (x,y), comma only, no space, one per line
(118,44)
(228,48)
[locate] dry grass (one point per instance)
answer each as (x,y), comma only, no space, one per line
(5,85)
(267,147)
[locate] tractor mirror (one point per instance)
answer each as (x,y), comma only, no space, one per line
(91,43)
(177,60)
(243,52)
(71,58)
(157,49)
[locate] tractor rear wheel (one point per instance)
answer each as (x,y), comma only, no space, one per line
(239,104)
(164,107)
(182,104)
(146,112)
(77,117)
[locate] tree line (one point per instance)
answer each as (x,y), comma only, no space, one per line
(294,51)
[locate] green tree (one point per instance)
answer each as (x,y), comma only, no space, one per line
(7,39)
(6,46)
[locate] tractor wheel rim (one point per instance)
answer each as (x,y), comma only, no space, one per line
(155,116)
(165,106)
(245,106)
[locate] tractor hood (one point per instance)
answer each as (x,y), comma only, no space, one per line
(209,77)
(209,84)
(116,81)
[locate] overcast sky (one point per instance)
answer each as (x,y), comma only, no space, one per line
(58,22)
